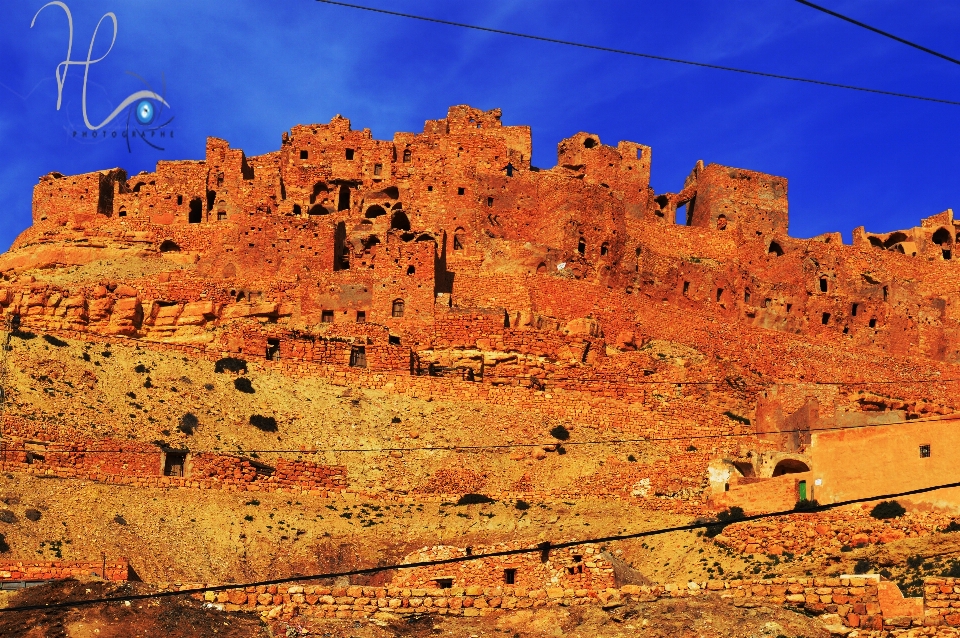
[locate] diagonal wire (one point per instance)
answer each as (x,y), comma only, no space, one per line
(641,55)
(876,30)
(542,547)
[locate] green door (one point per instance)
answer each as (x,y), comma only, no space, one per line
(802,487)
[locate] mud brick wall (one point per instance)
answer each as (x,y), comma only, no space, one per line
(52,570)
(827,532)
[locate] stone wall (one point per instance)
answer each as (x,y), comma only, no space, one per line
(53,570)
(851,601)
(826,533)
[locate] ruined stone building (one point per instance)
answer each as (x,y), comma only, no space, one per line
(446,258)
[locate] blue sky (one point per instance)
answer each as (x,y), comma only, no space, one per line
(246,71)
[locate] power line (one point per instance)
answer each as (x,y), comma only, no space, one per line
(542,547)
(876,30)
(639,55)
(442,448)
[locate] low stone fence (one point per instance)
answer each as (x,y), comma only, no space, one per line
(53,570)
(853,600)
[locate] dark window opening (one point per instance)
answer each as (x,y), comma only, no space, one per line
(393,340)
(946,253)
(318,209)
(349,153)
(358,357)
(361,316)
(823,284)
(398,307)
(825,318)
(924,451)
(221,215)
(574,569)
(581,246)
(297,210)
(174,463)
(377,169)
(304,154)
(400,221)
(326,316)
(169,246)
(873,323)
(411,270)
(604,249)
(179,200)
(789,307)
(444,583)
(719,295)
(577,558)
(766,302)
(457,242)
(686,288)
(406,156)
(722,222)
(429,189)
(589,142)
(775,249)
(489,201)
(34,457)
(884,293)
(343,201)
(273,349)
(211,199)
(509,168)
(195,216)
(375,211)
(746,296)
(509,576)
(122,213)
(680,217)
(853,309)
(461,191)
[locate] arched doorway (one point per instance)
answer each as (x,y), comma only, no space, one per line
(790,466)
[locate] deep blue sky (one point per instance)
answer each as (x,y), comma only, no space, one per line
(246,71)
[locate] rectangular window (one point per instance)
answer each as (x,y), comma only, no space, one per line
(349,153)
(361,316)
(924,451)
(444,583)
(304,154)
(326,316)
(221,215)
(686,288)
(461,190)
(510,576)
(358,357)
(406,156)
(489,201)
(377,169)
(179,200)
